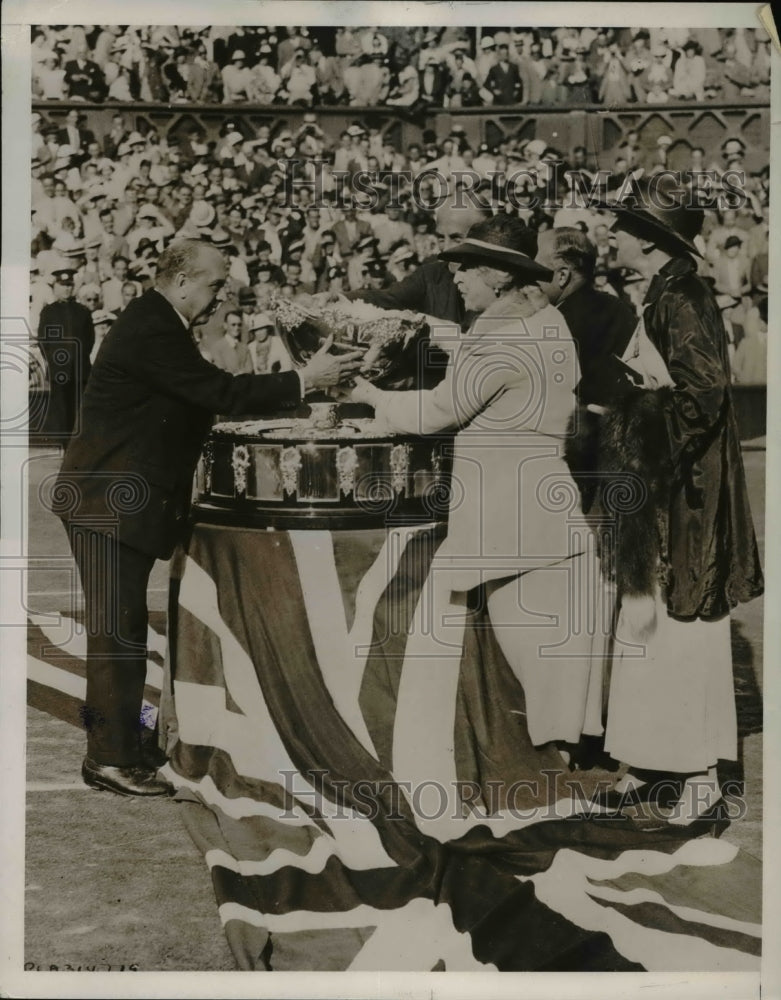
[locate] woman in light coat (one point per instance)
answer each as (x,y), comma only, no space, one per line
(515,523)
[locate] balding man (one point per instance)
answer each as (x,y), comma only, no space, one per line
(124,488)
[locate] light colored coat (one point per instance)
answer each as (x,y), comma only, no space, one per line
(509,393)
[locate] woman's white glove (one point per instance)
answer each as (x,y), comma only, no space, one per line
(364,392)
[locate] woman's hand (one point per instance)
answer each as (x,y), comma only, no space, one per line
(638,617)
(364,392)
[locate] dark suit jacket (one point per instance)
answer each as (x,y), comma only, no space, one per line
(66,337)
(85,81)
(430,289)
(504,84)
(601,326)
(146,412)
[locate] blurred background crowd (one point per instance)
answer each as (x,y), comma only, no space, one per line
(411,69)
(109,192)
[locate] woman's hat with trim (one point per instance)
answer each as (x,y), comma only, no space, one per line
(665,210)
(487,254)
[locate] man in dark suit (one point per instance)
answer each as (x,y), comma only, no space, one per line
(504,79)
(601,324)
(66,337)
(74,135)
(84,78)
(124,488)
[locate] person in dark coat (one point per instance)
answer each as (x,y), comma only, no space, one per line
(504,79)
(601,324)
(430,288)
(684,543)
(123,491)
(84,78)
(66,337)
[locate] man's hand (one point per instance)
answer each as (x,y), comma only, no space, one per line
(324,369)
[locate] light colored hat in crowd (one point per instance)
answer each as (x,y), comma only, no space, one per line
(268,190)
(400,254)
(65,152)
(136,139)
(259,321)
(198,168)
(124,149)
(202,214)
(103,317)
(238,54)
(199,148)
(366,243)
(74,251)
(664,140)
(94,243)
(355,131)
(296,246)
(220,239)
(233,138)
(487,42)
(147,212)
(536,147)
(95,193)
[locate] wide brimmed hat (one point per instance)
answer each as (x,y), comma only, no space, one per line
(473,251)
(665,211)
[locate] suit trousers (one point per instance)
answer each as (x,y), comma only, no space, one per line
(114,578)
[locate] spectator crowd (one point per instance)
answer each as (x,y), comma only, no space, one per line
(410,69)
(299,211)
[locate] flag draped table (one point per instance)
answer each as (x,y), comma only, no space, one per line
(351,819)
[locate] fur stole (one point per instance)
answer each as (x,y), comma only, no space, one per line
(620,462)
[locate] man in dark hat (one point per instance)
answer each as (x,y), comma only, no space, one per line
(685,554)
(66,337)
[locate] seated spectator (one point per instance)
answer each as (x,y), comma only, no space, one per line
(689,74)
(49,78)
(433,82)
(237,80)
(503,80)
(615,86)
(298,79)
(229,353)
(749,366)
(83,78)
(731,271)
(266,351)
(407,89)
(266,82)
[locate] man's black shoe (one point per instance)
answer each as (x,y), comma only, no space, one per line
(152,756)
(124,780)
